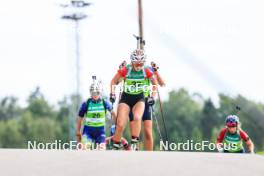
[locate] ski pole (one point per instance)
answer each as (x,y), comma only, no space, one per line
(157,124)
(162,115)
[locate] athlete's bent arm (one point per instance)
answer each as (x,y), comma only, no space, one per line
(155,68)
(220,139)
(78,129)
(247,140)
(250,146)
(159,79)
(154,87)
(114,82)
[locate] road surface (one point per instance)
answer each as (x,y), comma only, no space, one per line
(17,162)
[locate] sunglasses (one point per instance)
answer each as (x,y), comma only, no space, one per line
(95,93)
(232,126)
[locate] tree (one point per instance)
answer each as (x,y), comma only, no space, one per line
(10,134)
(209,119)
(63,119)
(38,106)
(9,108)
(182,114)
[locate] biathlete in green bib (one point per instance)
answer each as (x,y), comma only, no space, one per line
(136,80)
(146,118)
(92,115)
(230,139)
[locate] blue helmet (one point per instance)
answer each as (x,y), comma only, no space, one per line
(112,130)
(232,120)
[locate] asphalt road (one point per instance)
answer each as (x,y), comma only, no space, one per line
(16,162)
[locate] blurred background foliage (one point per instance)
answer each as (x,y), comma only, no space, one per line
(187,117)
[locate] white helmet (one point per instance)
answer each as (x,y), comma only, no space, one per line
(138,55)
(96,88)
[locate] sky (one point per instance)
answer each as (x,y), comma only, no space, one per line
(205,46)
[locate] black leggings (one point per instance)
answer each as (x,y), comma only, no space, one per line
(131,100)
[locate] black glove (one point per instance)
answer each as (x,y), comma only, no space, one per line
(150,101)
(123,64)
(154,66)
(112,98)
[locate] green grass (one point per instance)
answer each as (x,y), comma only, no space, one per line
(261,153)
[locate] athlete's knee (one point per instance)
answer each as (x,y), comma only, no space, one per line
(137,117)
(121,123)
